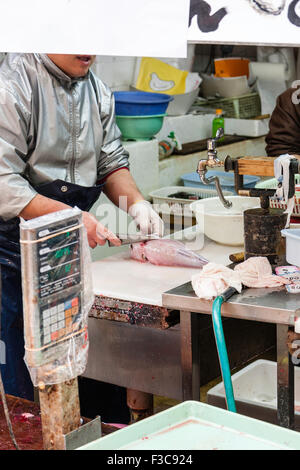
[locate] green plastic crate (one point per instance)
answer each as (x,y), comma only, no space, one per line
(241,107)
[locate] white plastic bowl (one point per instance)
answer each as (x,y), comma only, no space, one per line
(292,245)
(225,226)
(182,103)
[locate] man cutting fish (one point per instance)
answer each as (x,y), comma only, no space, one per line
(59,147)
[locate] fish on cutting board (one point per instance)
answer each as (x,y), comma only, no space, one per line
(165,252)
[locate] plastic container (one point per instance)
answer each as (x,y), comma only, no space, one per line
(197,426)
(218,122)
(226,180)
(224,226)
(167,146)
(292,245)
(232,67)
(255,391)
(182,103)
(272,183)
(141,103)
(161,197)
(139,127)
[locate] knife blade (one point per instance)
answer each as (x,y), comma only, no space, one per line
(130,239)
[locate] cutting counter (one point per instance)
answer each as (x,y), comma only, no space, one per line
(123,278)
(133,344)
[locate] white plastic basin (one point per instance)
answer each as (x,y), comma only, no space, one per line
(292,245)
(255,392)
(225,226)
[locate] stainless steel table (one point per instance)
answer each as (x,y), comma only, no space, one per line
(263,305)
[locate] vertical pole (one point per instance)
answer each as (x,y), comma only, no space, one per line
(285,380)
(190,357)
(60,412)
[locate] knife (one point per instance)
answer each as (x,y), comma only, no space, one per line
(130,239)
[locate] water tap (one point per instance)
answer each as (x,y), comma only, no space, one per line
(212,161)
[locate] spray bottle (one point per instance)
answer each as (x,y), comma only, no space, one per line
(168,145)
(218,122)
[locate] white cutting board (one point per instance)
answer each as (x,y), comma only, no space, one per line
(123,278)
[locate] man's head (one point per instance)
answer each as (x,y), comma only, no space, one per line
(73,65)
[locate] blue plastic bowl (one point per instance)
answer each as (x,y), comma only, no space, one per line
(226,180)
(141,103)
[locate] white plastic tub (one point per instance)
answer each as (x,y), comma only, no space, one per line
(225,226)
(292,245)
(182,103)
(255,391)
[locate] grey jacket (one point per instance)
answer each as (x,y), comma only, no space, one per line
(52,127)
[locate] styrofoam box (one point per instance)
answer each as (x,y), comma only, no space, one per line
(247,127)
(244,127)
(255,391)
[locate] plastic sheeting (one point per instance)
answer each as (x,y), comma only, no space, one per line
(57,296)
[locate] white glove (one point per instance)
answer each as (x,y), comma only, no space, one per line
(146,219)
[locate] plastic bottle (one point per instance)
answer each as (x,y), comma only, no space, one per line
(168,145)
(218,122)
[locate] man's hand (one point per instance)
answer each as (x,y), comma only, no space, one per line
(146,219)
(98,234)
(121,189)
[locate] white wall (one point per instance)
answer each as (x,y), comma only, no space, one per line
(118,72)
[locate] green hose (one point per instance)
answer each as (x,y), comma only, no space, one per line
(222,352)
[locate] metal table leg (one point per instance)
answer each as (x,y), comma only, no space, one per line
(190,358)
(285,381)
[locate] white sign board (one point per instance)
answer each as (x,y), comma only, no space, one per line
(265,22)
(156,28)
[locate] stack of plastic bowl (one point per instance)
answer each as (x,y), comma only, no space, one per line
(140,114)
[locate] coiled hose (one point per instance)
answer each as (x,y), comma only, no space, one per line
(221,347)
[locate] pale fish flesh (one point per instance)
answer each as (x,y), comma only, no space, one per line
(166,253)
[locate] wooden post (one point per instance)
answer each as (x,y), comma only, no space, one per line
(60,412)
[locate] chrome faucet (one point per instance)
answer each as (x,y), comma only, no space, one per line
(212,161)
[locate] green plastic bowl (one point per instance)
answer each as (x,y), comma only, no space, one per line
(140,127)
